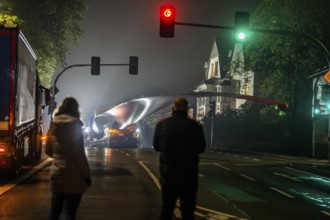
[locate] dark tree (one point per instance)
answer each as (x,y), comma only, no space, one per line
(51,26)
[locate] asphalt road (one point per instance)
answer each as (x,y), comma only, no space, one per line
(125,187)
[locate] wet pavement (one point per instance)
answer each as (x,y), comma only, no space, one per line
(317,166)
(109,194)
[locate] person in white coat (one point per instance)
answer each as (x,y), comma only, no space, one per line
(70,173)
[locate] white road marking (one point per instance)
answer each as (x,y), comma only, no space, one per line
(247,177)
(206,163)
(127,154)
(288,177)
(153,177)
(13,183)
(215,214)
(281,192)
(326,213)
(223,167)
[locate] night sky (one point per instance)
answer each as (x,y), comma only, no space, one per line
(117,29)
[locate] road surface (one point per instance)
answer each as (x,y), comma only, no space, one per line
(125,187)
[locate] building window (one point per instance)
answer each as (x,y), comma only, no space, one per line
(216,69)
(212,70)
(246,86)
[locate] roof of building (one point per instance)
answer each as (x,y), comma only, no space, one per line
(225,49)
(212,81)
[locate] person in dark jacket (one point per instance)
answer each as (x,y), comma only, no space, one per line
(180,140)
(70,173)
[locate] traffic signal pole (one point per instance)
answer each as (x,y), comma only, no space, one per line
(203,25)
(54,90)
(298,34)
(280,32)
(133,70)
(242,24)
(82,65)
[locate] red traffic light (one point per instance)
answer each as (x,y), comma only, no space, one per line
(168,12)
(167,20)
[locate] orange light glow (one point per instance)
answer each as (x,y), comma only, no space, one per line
(2,149)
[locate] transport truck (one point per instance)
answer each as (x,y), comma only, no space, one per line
(22,100)
(117,138)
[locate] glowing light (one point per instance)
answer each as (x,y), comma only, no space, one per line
(2,149)
(241,36)
(130,112)
(95,128)
(167,12)
(87,130)
(317,111)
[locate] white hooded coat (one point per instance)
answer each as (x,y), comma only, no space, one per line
(65,145)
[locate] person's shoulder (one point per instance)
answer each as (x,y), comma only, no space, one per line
(68,121)
(195,122)
(65,118)
(164,120)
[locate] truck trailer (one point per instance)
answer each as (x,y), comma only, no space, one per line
(22,99)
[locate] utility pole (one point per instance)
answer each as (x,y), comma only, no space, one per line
(212,111)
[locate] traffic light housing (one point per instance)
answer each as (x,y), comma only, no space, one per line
(95,67)
(167,21)
(242,26)
(133,65)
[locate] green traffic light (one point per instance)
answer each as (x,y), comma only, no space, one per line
(241,36)
(242,25)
